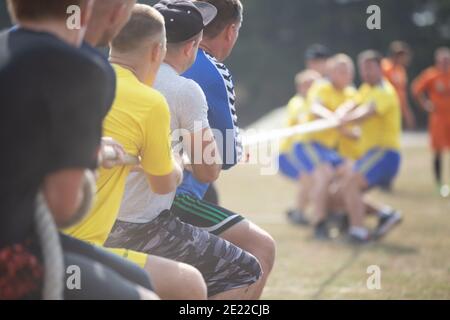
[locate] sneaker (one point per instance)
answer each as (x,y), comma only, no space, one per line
(321,231)
(387,223)
(358,236)
(297,217)
(339,221)
(444,191)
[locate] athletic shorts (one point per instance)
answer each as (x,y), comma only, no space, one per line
(311,155)
(103,275)
(289,166)
(205,215)
(223,265)
(440,131)
(379,166)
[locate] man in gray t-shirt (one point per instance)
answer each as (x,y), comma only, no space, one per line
(189,114)
(145,223)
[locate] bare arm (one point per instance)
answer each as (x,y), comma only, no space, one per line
(204,155)
(168,183)
(360,114)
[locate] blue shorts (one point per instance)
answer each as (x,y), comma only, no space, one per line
(310,155)
(379,166)
(289,166)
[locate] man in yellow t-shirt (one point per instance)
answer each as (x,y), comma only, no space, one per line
(297,113)
(317,154)
(377,110)
(140,121)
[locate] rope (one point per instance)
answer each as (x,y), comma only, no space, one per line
(253,139)
(51,252)
(48,234)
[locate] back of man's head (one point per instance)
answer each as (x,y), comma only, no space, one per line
(108,18)
(228,12)
(38,10)
(145,26)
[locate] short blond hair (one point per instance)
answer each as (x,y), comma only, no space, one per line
(145,23)
(339,59)
(306,75)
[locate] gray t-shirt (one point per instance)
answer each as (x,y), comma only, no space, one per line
(189,111)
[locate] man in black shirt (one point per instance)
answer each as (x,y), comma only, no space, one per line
(53,98)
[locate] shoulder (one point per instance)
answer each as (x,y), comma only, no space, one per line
(208,71)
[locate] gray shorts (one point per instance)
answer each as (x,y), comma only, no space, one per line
(223,265)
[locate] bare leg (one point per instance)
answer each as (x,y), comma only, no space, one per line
(174,280)
(251,238)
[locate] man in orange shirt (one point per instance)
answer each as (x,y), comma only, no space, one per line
(432,91)
(394,69)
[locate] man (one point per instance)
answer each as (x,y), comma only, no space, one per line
(212,75)
(377,110)
(142,128)
(64,95)
(318,156)
(432,91)
(145,222)
(108,18)
(395,70)
(298,113)
(316,59)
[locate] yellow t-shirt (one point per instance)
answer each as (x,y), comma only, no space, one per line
(332,99)
(139,120)
(382,130)
(297,113)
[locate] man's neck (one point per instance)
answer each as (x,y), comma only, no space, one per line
(141,70)
(175,63)
(56,28)
(209,47)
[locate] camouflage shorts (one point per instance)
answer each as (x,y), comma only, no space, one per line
(223,265)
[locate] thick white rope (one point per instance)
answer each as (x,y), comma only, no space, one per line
(253,139)
(48,234)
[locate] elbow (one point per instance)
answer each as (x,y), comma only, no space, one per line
(209,175)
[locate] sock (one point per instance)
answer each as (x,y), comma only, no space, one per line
(438,168)
(359,232)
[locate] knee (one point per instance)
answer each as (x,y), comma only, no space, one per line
(192,284)
(265,252)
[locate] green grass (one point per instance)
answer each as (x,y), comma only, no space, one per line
(414,259)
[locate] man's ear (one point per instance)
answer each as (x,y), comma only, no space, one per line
(86,13)
(157,51)
(118,11)
(229,32)
(188,48)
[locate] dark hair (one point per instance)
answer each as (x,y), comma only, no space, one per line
(228,11)
(317,51)
(40,9)
(399,47)
(145,22)
(370,55)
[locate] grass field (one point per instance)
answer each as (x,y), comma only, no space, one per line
(414,259)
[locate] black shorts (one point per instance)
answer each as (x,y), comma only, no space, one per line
(104,275)
(223,265)
(205,215)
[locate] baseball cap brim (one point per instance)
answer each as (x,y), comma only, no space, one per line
(207,10)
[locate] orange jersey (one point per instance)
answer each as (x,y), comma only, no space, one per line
(436,85)
(398,77)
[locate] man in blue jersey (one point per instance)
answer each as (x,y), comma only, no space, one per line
(214,78)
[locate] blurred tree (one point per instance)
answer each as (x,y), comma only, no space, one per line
(275,34)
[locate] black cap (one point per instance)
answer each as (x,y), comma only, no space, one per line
(184,18)
(317,51)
